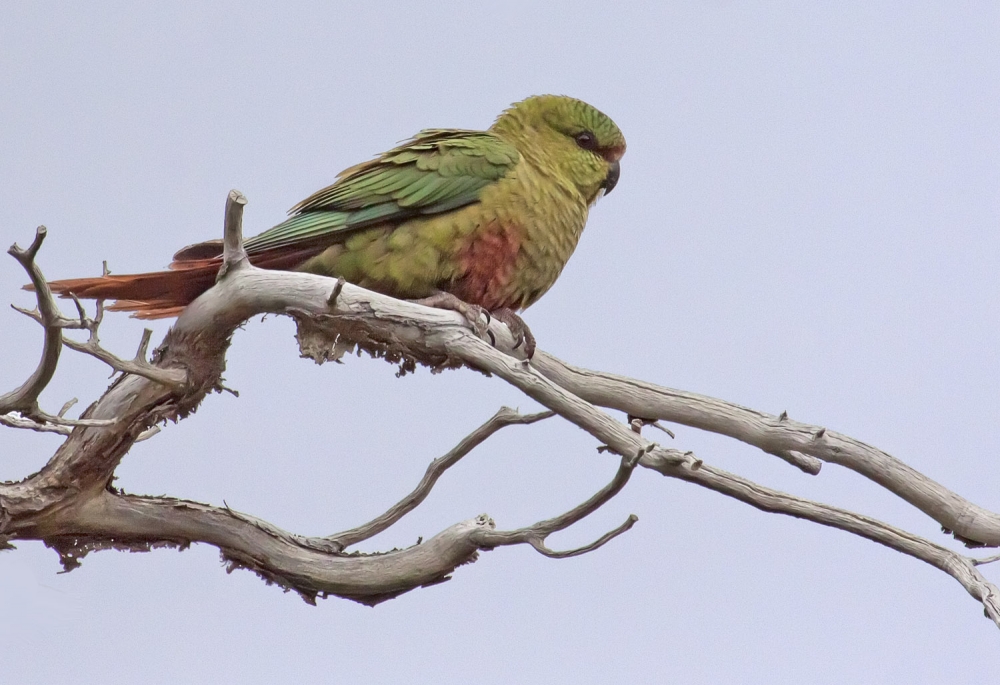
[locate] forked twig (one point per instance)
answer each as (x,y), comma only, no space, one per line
(503,418)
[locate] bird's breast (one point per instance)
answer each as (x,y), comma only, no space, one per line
(525,231)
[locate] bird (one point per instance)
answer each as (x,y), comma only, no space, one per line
(476,221)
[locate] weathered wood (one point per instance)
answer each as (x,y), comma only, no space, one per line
(71,505)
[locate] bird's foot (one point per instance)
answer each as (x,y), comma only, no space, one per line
(518,329)
(473,313)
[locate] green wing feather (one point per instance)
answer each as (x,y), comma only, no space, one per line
(437,171)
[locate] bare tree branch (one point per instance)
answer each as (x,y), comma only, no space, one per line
(503,418)
(29,424)
(536,534)
(802,462)
(138,365)
(25,398)
(986,560)
(961,568)
(140,523)
(56,420)
(234,256)
(971,523)
(110,520)
(70,504)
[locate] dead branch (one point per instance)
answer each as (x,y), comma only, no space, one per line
(28,424)
(972,524)
(960,567)
(70,505)
(536,534)
(24,399)
(503,418)
(306,565)
(137,366)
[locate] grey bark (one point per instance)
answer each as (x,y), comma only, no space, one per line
(71,505)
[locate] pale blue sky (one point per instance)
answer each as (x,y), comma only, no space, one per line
(806,221)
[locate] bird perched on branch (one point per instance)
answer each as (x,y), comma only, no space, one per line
(465,220)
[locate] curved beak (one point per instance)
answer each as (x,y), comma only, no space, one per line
(611,180)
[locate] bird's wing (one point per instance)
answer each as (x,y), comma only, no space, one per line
(437,171)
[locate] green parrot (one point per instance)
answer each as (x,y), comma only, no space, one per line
(466,220)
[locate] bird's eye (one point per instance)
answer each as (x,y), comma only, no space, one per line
(586,140)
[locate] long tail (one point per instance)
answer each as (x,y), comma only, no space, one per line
(162,294)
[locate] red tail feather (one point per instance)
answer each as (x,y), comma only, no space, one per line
(151,296)
(162,294)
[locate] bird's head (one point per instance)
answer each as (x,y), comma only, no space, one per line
(582,142)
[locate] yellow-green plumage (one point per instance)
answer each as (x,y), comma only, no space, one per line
(489,216)
(524,187)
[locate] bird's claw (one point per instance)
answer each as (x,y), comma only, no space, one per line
(472,313)
(518,329)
